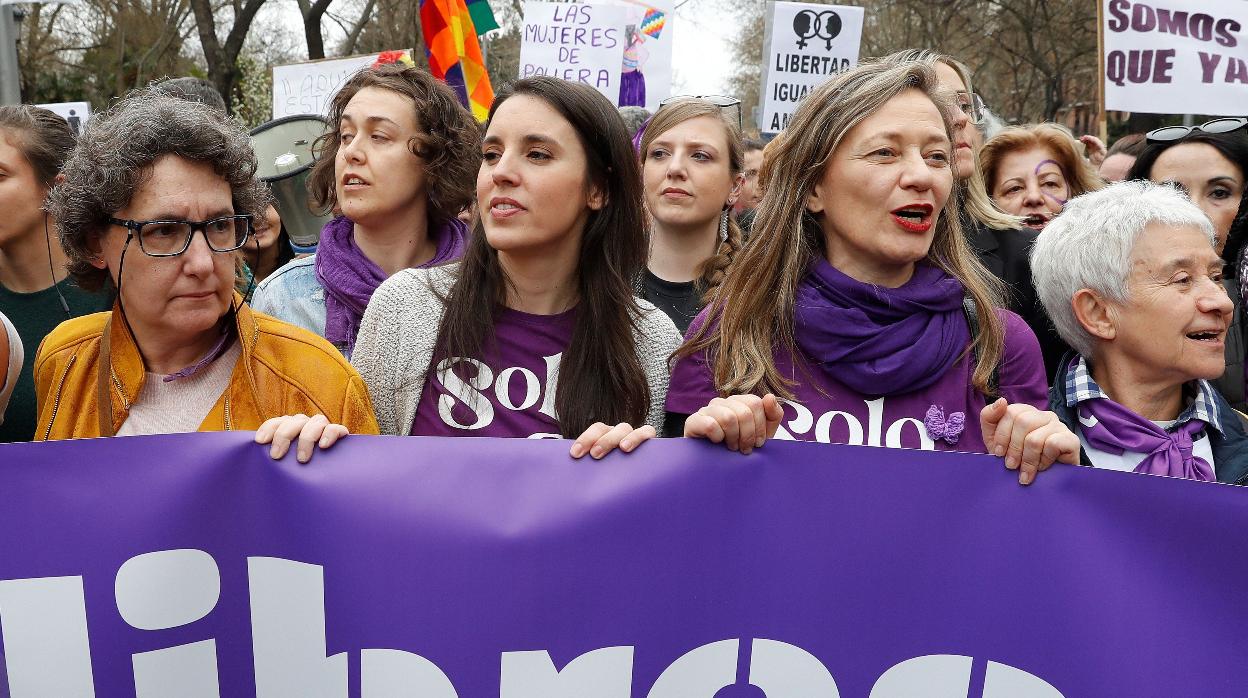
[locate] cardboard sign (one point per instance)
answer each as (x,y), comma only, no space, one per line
(807,45)
(76,113)
(1171,56)
(307,88)
(575,42)
(647,53)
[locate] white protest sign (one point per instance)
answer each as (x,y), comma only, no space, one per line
(646,77)
(307,88)
(808,44)
(76,113)
(576,42)
(1176,56)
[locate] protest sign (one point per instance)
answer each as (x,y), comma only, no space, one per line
(1176,56)
(76,113)
(307,88)
(192,565)
(805,46)
(576,42)
(646,77)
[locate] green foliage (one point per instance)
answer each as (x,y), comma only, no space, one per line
(254,103)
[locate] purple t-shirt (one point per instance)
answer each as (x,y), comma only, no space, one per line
(841,416)
(508,391)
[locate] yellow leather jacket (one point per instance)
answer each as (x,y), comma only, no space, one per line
(93,360)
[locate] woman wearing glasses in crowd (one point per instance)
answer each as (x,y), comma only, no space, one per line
(396,170)
(535,332)
(157,198)
(691,166)
(1210,164)
(878,326)
(1000,240)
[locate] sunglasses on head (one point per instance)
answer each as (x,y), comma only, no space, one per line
(1166,134)
(731,106)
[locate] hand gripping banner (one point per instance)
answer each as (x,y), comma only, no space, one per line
(193,566)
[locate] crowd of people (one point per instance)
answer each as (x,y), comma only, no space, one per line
(892,270)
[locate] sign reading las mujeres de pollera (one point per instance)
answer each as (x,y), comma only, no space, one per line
(808,45)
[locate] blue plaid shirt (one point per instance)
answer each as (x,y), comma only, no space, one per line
(1080,387)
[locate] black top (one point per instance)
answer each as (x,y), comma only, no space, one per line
(1006,253)
(34,315)
(681,300)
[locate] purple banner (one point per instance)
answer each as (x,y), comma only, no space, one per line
(193,566)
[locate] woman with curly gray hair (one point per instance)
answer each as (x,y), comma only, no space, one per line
(155,200)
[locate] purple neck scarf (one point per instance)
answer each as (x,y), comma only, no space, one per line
(349,278)
(877,340)
(1112,428)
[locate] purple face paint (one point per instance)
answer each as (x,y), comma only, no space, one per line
(1060,202)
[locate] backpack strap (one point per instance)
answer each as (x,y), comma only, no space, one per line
(972,321)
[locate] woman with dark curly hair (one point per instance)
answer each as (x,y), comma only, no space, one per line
(155,201)
(536,332)
(396,169)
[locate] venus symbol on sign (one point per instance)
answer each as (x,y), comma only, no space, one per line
(809,24)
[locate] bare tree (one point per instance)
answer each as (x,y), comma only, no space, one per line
(102,48)
(1032,59)
(222,57)
(313,12)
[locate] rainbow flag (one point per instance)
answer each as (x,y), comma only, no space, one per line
(482,16)
(652,24)
(455,54)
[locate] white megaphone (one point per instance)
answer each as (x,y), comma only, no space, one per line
(285,155)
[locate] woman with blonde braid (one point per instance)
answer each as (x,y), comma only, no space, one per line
(692,163)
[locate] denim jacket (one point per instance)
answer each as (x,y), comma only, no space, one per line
(293,294)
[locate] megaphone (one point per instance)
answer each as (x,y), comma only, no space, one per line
(284,151)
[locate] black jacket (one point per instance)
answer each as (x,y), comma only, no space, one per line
(1230,446)
(1006,253)
(1231,384)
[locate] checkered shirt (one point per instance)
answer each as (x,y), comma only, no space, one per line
(1081,387)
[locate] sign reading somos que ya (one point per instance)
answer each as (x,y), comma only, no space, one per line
(192,565)
(1163,56)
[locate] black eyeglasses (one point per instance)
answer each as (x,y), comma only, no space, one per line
(728,105)
(1165,134)
(971,105)
(172,238)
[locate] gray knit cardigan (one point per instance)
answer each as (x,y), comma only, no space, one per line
(400,329)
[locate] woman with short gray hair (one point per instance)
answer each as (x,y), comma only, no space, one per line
(156,200)
(1131,279)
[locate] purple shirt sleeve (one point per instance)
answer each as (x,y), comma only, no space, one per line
(1022,364)
(692,386)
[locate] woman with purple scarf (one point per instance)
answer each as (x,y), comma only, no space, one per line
(396,169)
(857,313)
(1132,279)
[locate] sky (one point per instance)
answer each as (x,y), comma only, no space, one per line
(700,51)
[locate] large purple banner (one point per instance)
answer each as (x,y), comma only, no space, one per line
(193,566)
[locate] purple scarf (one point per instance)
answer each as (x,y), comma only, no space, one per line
(349,278)
(877,340)
(1112,428)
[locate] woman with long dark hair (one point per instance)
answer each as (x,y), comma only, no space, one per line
(36,293)
(535,332)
